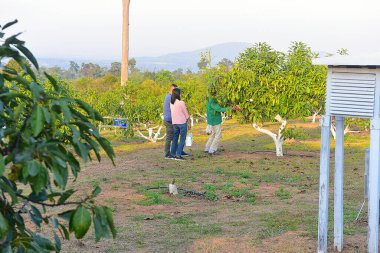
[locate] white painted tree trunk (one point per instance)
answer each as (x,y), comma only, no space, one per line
(278,139)
(315,115)
(152,137)
(224,117)
(333,130)
(204,116)
(191,120)
(278,143)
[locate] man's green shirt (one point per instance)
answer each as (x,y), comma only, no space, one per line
(213,110)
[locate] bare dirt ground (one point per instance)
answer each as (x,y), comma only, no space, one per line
(253,202)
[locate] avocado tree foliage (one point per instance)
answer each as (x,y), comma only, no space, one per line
(44,134)
(143,105)
(268,84)
(194,93)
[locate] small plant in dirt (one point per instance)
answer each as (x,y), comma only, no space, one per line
(283,194)
(239,193)
(242,174)
(219,171)
(188,225)
(154,198)
(141,217)
(251,198)
(210,192)
(277,223)
(183,220)
(207,229)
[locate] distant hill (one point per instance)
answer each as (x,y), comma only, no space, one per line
(189,60)
(173,61)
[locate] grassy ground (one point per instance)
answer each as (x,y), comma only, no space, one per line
(254,201)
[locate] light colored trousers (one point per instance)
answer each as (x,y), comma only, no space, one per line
(215,136)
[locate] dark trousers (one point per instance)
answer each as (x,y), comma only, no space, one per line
(169,136)
(180,131)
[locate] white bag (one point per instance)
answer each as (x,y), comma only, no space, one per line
(208,129)
(173,189)
(189,140)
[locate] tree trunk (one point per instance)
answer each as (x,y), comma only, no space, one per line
(277,138)
(125,41)
(315,114)
(314,117)
(333,130)
(152,137)
(278,144)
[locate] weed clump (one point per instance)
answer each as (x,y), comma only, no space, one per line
(154,198)
(283,194)
(210,192)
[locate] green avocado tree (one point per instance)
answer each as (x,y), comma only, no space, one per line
(143,105)
(270,85)
(194,93)
(44,135)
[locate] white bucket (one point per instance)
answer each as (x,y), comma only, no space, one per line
(189,140)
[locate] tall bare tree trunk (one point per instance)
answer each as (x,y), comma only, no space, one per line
(125,39)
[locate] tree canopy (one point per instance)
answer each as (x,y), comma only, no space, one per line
(266,83)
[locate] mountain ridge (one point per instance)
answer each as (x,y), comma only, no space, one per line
(171,61)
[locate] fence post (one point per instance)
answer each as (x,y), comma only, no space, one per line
(373,188)
(338,184)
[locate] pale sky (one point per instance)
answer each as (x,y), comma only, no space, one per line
(91,29)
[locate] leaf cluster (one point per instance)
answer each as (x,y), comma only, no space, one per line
(44,134)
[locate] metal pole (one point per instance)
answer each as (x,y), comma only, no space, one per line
(373,188)
(324,184)
(338,184)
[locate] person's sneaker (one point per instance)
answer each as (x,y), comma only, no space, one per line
(206,151)
(169,157)
(179,158)
(214,153)
(185,154)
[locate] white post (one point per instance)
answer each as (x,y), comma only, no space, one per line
(324,184)
(373,188)
(338,184)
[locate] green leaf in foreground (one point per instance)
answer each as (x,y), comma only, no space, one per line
(37,120)
(110,221)
(80,222)
(4,226)
(2,165)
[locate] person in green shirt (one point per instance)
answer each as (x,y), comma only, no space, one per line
(214,119)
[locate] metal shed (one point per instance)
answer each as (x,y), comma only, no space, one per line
(353,90)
